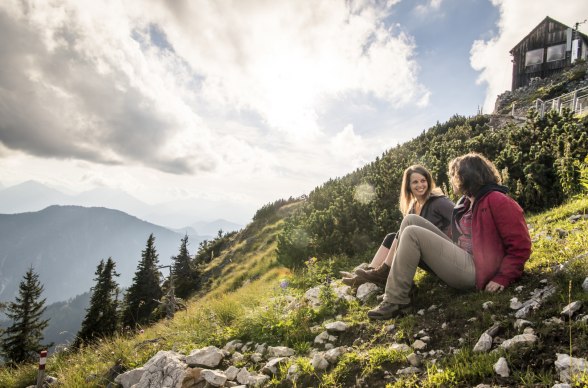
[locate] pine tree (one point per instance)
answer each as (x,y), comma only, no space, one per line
(185,273)
(145,292)
(101,317)
(21,342)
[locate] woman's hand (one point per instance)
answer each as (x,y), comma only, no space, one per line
(494,287)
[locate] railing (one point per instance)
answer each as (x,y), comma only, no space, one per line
(576,101)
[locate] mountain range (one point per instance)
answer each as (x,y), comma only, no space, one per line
(64,244)
(33,196)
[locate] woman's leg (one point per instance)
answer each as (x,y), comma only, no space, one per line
(421,240)
(383,251)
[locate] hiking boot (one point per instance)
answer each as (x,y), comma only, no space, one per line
(354,281)
(379,276)
(387,310)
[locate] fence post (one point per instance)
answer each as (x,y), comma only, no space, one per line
(575,101)
(41,373)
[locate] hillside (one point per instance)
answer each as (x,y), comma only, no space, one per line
(274,314)
(65,243)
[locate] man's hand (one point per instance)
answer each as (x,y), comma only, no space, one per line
(494,287)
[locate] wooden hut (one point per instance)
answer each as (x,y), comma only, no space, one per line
(548,49)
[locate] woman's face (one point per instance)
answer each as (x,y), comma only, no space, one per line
(418,185)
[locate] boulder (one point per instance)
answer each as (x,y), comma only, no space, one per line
(209,357)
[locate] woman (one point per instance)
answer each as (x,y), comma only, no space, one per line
(418,195)
(490,246)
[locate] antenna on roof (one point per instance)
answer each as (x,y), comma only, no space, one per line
(578,23)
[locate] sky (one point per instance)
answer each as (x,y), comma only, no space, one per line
(241,102)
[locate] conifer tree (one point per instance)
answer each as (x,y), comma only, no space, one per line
(145,292)
(185,272)
(101,317)
(21,342)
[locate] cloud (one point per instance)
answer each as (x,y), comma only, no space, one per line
(429,6)
(517,18)
(161,84)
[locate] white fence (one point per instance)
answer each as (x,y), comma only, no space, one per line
(576,101)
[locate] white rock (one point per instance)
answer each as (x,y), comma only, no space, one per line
(561,386)
(515,304)
(130,378)
(519,339)
(237,357)
(260,348)
(444,325)
(585,284)
(256,380)
(419,345)
(484,343)
(319,362)
(529,330)
(208,357)
(280,351)
(519,288)
(523,312)
(333,355)
(501,367)
(365,291)
(411,370)
(233,345)
(312,296)
(414,360)
(553,321)
(321,338)
(337,327)
(271,368)
(570,309)
(521,324)
(214,377)
(166,368)
(256,357)
(243,376)
(487,305)
(231,372)
(400,347)
(570,366)
(421,312)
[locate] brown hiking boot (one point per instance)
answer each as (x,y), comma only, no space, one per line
(387,310)
(354,281)
(378,276)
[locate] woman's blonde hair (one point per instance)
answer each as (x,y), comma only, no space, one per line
(469,172)
(406,196)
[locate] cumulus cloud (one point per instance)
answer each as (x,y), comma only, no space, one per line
(517,18)
(429,6)
(159,83)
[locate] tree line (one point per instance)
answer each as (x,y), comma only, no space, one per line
(538,160)
(150,297)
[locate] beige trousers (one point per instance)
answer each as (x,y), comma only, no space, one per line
(421,242)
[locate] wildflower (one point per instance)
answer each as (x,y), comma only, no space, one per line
(284,284)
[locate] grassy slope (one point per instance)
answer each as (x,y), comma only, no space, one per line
(246,302)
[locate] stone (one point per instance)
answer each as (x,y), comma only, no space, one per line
(237,358)
(501,367)
(414,360)
(444,325)
(400,347)
(419,345)
(333,355)
(337,327)
(164,369)
(521,339)
(261,349)
(322,338)
(585,284)
(256,357)
(209,357)
(570,366)
(192,377)
(553,321)
(329,346)
(521,324)
(390,328)
(130,378)
(484,343)
(231,372)
(515,304)
(572,308)
(493,330)
(529,330)
(257,380)
(319,362)
(271,368)
(523,312)
(280,351)
(518,288)
(233,345)
(214,377)
(243,376)
(421,312)
(312,296)
(365,291)
(487,305)
(411,370)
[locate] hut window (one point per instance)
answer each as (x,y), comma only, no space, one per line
(555,53)
(534,57)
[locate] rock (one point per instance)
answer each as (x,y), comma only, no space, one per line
(365,291)
(214,377)
(523,312)
(585,284)
(256,357)
(280,351)
(329,346)
(390,328)
(570,366)
(411,370)
(322,338)
(312,296)
(336,327)
(414,360)
(243,376)
(493,330)
(333,355)
(561,233)
(521,339)
(293,374)
(433,307)
(421,312)
(400,347)
(257,380)
(570,309)
(271,368)
(577,217)
(521,324)
(208,357)
(343,292)
(553,321)
(231,372)
(165,369)
(233,345)
(192,377)
(444,325)
(419,345)
(237,358)
(519,288)
(501,367)
(515,304)
(529,330)
(319,362)
(487,305)
(561,386)
(484,344)
(261,349)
